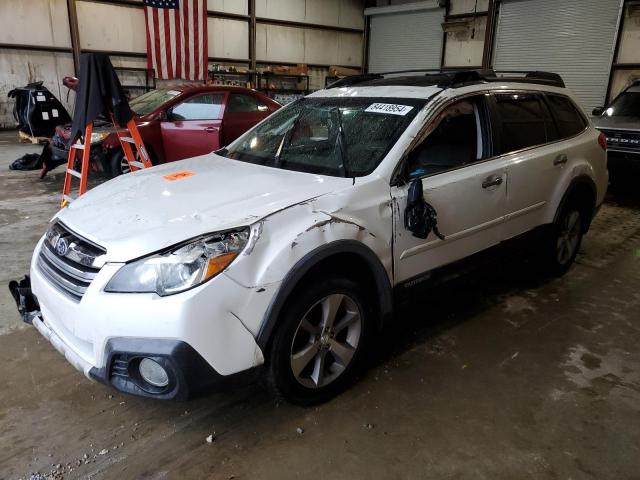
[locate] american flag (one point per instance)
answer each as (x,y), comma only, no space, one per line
(177,38)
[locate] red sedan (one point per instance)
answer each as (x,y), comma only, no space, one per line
(178,122)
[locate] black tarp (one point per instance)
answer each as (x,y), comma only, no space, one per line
(99,93)
(37,110)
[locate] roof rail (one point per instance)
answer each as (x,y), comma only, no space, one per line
(450,78)
(535,76)
(354,80)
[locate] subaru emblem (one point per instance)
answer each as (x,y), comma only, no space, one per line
(61,247)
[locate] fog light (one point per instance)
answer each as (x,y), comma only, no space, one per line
(152,372)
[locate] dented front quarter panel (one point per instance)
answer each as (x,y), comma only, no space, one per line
(361,212)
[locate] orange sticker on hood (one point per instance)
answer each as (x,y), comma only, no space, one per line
(178,175)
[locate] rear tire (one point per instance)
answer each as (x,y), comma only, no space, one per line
(565,239)
(321,341)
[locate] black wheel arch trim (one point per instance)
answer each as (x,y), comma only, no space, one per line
(577,182)
(310,260)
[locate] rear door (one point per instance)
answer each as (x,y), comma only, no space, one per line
(527,136)
(193,127)
(242,112)
(465,184)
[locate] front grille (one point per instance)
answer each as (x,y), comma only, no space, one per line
(622,140)
(69,262)
(59,142)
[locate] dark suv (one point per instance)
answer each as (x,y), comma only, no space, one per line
(620,122)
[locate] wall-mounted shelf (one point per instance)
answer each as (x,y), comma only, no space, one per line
(283,88)
(241,79)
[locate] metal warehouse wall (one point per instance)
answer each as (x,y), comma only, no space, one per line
(575,38)
(119,27)
(33,22)
(405,36)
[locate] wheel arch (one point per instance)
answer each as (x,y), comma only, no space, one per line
(583,190)
(329,256)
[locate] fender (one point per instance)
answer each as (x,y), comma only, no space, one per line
(576,182)
(311,259)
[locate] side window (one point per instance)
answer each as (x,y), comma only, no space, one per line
(456,138)
(200,107)
(569,120)
(522,121)
(241,103)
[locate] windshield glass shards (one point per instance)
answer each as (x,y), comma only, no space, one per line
(346,137)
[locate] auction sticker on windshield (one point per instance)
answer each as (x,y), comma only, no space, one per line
(389,108)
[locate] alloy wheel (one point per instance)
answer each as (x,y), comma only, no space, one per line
(569,237)
(326,340)
(124,165)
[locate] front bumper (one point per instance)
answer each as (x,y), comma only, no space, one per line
(96,154)
(193,335)
(187,371)
(623,162)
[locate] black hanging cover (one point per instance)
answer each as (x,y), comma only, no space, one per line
(37,110)
(99,93)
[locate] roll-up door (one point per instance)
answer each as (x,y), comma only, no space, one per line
(574,38)
(403,37)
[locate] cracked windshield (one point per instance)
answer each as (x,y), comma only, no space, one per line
(346,137)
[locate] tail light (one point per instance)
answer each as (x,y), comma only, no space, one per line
(602,141)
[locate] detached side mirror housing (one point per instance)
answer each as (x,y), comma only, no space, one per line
(420,218)
(598,111)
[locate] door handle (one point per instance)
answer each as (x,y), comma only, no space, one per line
(492,181)
(211,129)
(561,159)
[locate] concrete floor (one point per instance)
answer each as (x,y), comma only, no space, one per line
(502,374)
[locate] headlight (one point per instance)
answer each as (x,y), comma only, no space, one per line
(98,137)
(182,268)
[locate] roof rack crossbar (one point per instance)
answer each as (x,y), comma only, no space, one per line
(455,77)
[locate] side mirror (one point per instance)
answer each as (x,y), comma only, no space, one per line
(598,111)
(420,218)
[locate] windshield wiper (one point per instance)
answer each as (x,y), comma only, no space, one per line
(342,146)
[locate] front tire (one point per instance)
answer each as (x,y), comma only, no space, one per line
(118,164)
(321,342)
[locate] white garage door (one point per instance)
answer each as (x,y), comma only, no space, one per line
(574,38)
(405,36)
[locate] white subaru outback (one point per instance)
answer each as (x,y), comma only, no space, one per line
(283,250)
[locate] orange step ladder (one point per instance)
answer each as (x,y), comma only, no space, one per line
(129,135)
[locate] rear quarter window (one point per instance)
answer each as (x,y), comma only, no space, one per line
(567,116)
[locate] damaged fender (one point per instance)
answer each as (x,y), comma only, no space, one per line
(310,232)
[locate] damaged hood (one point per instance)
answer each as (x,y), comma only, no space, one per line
(143,212)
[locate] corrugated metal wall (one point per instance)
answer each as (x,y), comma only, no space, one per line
(401,40)
(574,38)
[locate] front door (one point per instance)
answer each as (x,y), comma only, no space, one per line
(462,181)
(193,127)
